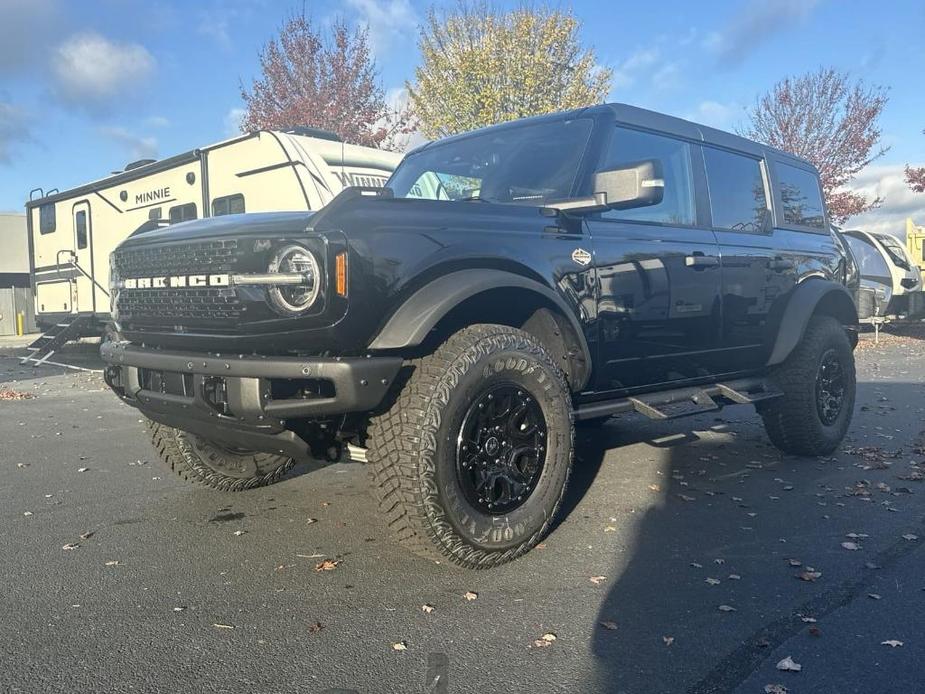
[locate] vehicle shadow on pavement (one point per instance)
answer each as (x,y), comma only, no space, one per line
(709,589)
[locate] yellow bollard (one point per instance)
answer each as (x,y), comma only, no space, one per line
(19,323)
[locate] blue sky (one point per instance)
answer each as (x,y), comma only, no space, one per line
(86,87)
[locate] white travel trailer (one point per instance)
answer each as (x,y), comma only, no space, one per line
(72,232)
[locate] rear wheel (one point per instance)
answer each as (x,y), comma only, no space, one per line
(472,459)
(209,463)
(818,382)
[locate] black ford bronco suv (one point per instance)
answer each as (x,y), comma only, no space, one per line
(506,284)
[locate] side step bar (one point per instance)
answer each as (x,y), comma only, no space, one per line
(682,402)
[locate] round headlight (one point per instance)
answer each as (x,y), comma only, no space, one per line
(294,299)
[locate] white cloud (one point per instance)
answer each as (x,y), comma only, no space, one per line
(156,122)
(715,114)
(648,66)
(232,121)
(137,146)
(755,24)
(13,129)
(388,21)
(215,27)
(626,73)
(899,202)
(91,71)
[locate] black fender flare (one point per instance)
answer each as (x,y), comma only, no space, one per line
(420,313)
(802,304)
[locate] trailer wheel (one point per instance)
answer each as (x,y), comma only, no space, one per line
(208,463)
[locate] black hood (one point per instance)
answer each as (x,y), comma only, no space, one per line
(269,224)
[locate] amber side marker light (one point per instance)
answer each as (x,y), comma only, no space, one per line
(340,273)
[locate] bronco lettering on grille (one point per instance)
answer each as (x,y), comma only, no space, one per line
(176,281)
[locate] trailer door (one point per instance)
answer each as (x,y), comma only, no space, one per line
(83,258)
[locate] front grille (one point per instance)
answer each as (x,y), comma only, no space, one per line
(176,259)
(159,304)
(175,305)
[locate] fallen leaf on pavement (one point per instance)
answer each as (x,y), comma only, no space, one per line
(112,563)
(910,537)
(685,497)
(809,575)
(853,546)
(892,643)
(597,580)
(315,628)
(734,577)
(795,562)
(400,646)
(326,565)
(82,469)
(726,608)
(238,533)
(610,626)
(787,665)
(427,609)
(713,581)
(545,640)
(70,546)
(6,394)
(775,689)
(223,626)
(86,535)
(668,640)
(471,595)
(874,596)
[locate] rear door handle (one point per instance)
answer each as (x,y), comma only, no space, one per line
(780,264)
(698,259)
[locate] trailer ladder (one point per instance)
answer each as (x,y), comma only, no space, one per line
(54,338)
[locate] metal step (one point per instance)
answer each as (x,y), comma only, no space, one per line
(684,402)
(55,337)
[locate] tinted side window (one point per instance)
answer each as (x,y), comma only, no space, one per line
(182,213)
(47,218)
(230,204)
(737,195)
(677,204)
(80,227)
(799,191)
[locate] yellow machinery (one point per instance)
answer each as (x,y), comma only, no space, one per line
(915,243)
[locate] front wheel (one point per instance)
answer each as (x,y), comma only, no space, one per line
(818,384)
(472,459)
(210,464)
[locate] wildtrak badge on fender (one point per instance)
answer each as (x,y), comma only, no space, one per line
(505,285)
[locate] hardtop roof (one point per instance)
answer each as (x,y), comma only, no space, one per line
(651,120)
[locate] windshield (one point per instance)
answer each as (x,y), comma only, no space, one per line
(524,165)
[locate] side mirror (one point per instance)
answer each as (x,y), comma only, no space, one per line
(638,184)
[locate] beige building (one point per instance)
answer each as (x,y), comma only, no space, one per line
(15,287)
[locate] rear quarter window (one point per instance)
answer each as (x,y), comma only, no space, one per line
(801,197)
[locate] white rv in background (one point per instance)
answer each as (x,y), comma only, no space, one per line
(71,233)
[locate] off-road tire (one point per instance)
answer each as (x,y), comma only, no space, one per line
(412,448)
(202,462)
(793,422)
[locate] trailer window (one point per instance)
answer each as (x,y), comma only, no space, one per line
(230,204)
(80,227)
(47,218)
(155,213)
(182,213)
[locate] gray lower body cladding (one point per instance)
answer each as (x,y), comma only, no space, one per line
(245,401)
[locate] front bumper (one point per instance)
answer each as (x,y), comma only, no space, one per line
(245,400)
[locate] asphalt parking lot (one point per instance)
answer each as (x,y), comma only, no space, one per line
(691,557)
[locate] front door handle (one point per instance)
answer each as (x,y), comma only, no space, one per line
(698,259)
(780,264)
